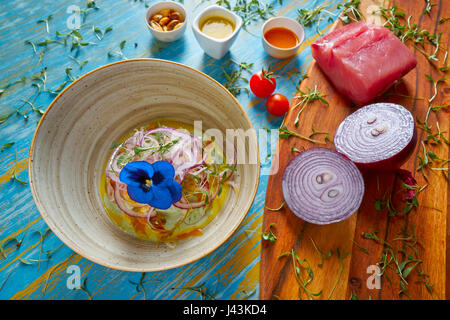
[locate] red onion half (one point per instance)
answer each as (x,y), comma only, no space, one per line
(321,186)
(379,136)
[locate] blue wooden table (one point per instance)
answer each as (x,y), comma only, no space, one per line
(33,261)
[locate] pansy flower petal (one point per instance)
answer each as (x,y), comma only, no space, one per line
(175,191)
(161,197)
(164,172)
(139,194)
(136,173)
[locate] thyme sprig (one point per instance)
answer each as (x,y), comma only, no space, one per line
(235,77)
(313,16)
(411,32)
(249,10)
(401,261)
(350,11)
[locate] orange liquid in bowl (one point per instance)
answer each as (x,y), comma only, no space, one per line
(282,38)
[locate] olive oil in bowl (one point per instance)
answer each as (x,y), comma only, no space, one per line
(217,27)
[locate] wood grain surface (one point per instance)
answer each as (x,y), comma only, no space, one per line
(429,221)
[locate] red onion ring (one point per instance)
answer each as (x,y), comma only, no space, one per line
(379,136)
(321,186)
(183,204)
(186,155)
(123,205)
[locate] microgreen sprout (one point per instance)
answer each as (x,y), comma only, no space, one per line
(360,247)
(277,209)
(84,288)
(428,7)
(401,261)
(269,235)
(294,149)
(323,256)
(300,266)
(307,97)
(11,84)
(285,133)
(79,62)
(5,146)
(99,33)
(200,289)
(119,52)
(340,258)
(45,21)
(140,285)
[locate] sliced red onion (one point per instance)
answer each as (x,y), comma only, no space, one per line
(379,136)
(186,156)
(321,186)
(124,206)
(183,204)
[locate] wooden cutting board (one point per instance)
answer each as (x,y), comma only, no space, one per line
(431,220)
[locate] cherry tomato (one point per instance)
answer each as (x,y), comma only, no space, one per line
(277,104)
(263,84)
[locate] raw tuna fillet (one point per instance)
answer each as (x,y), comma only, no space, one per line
(362,60)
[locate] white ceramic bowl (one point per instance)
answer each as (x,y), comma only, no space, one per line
(166,36)
(287,23)
(216,48)
(73,141)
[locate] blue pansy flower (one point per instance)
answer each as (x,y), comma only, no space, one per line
(152,184)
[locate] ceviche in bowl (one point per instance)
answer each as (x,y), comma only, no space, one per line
(170,150)
(133,168)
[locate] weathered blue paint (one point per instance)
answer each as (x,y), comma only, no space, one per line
(230,271)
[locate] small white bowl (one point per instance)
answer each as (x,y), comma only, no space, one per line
(287,23)
(216,48)
(166,36)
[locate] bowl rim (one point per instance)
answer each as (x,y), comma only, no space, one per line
(78,250)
